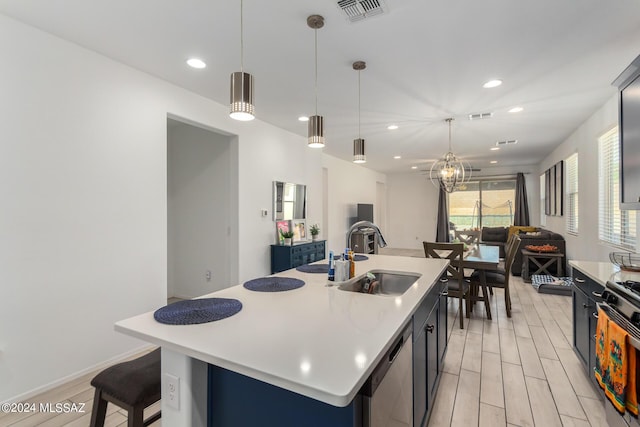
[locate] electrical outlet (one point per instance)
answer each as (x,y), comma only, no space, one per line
(172,391)
(264,212)
(207,275)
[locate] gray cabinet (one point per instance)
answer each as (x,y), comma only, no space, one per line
(429,346)
(364,242)
(585,292)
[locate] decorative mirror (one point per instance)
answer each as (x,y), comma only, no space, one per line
(289,201)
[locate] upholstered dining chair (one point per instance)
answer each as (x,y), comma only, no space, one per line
(500,277)
(457,285)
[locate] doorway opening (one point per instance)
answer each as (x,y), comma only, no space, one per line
(202,209)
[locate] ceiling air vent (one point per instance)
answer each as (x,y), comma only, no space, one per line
(507,142)
(480,116)
(357,10)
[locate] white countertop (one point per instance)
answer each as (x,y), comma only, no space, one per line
(317,341)
(602,272)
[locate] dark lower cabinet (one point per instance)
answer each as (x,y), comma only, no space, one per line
(585,293)
(443,326)
(285,257)
(581,315)
(429,347)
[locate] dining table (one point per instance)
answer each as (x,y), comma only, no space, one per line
(481,258)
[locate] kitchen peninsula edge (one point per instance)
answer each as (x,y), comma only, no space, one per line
(316,341)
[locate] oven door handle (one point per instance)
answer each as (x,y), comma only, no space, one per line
(618,319)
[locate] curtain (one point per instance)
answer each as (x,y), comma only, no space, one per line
(521,214)
(442,230)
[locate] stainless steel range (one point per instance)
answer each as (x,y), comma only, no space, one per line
(621,302)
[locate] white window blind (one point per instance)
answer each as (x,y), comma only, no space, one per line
(615,226)
(543,192)
(572,193)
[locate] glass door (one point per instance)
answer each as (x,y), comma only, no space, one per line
(483,203)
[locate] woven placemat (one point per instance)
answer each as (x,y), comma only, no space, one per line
(360,257)
(273,284)
(195,311)
(313,268)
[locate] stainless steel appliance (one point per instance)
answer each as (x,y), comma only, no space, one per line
(621,302)
(388,393)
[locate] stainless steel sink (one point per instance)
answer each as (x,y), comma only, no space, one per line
(389,282)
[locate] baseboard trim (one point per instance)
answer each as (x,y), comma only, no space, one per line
(47,387)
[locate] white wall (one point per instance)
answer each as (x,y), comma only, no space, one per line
(200,208)
(413,204)
(84,189)
(349,185)
(584,140)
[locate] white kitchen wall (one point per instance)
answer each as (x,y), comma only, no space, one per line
(349,185)
(83,173)
(200,207)
(413,204)
(584,140)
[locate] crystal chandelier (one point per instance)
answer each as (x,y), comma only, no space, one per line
(449,172)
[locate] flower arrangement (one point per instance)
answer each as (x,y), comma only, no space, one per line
(314,229)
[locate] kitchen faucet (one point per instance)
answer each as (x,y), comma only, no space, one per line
(366,224)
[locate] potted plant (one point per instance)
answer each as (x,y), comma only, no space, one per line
(287,236)
(315,230)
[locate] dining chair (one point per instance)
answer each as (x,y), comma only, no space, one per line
(500,278)
(501,263)
(457,285)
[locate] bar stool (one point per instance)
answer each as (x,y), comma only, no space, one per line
(131,385)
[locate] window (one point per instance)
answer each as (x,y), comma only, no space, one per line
(615,226)
(572,194)
(483,204)
(543,193)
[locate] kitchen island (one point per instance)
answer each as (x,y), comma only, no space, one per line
(317,342)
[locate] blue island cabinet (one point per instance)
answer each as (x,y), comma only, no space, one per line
(236,400)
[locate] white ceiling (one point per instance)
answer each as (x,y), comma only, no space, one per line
(426,61)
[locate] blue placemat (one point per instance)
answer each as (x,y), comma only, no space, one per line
(358,257)
(273,284)
(194,311)
(313,268)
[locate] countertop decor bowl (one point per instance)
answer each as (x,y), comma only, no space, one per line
(625,260)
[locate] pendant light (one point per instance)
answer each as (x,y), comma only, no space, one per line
(358,144)
(449,172)
(316,122)
(241,92)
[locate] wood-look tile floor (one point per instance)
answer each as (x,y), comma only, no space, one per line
(518,371)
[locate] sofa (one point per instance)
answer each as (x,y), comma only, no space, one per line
(497,236)
(545,237)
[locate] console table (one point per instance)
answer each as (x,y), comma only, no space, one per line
(538,258)
(284,257)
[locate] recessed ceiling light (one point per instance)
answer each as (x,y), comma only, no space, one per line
(196,63)
(516,109)
(397,157)
(392,127)
(414,167)
(303,118)
(493,162)
(494,148)
(492,83)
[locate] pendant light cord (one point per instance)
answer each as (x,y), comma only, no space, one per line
(241,40)
(359,104)
(315,32)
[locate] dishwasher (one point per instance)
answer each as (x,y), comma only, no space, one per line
(388,393)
